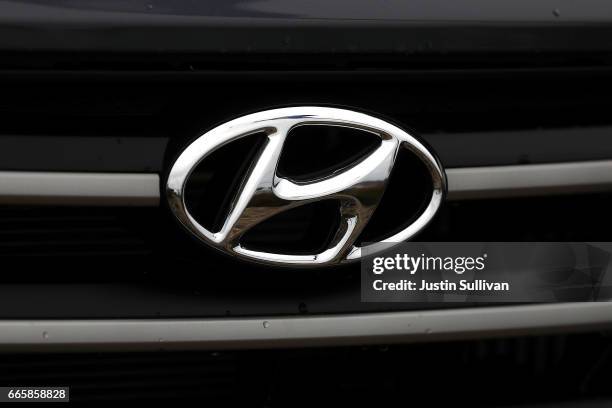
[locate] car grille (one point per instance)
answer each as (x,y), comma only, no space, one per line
(537,369)
(115,262)
(122,114)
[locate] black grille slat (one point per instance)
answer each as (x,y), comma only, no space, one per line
(120,121)
(63,232)
(148,266)
(512,369)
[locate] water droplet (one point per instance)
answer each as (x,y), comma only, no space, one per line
(556,12)
(45,335)
(266,324)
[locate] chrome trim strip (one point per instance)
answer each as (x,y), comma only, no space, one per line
(528,180)
(104,189)
(142,189)
(357,329)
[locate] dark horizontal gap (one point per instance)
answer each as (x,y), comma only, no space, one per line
(107,153)
(74,242)
(79,252)
(59,221)
(63,230)
(109,360)
(461,149)
(175,111)
(111,378)
(524,219)
(164,78)
(545,370)
(84,61)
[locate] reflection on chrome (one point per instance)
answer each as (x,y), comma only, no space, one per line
(263,194)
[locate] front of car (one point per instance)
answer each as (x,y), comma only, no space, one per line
(228,200)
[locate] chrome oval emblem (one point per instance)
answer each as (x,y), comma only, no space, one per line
(263,193)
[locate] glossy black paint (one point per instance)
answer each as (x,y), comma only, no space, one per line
(299,26)
(422,10)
